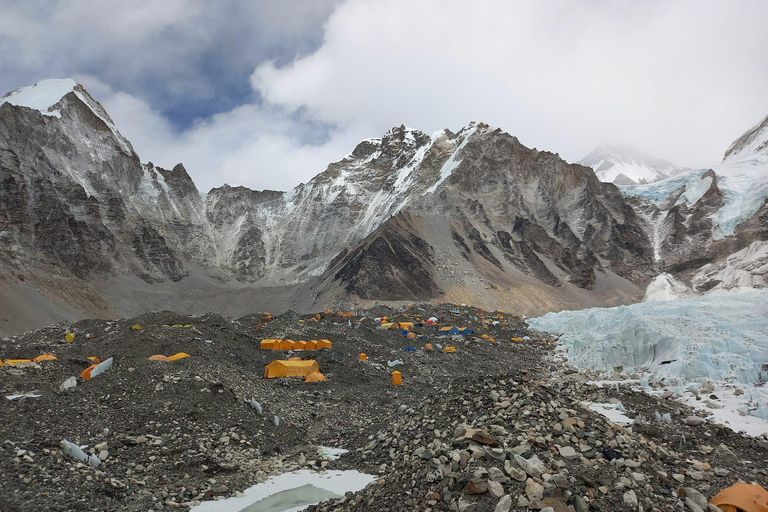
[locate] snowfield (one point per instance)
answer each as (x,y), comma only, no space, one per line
(719,338)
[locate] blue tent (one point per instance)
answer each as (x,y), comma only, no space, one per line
(465,331)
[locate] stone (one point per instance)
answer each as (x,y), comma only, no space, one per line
(690,493)
(533,489)
(482,438)
(580,504)
(533,466)
(515,472)
(568,452)
(556,505)
(738,392)
(630,500)
(219,489)
(504,504)
(497,475)
(495,489)
(693,421)
(103,455)
(477,486)
(68,385)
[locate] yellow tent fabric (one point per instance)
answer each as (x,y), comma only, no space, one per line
(397,378)
(69,337)
(311,345)
(386,325)
(445,329)
(12,362)
(136,327)
(86,374)
(316,377)
(450,349)
(300,345)
(281,368)
(269,344)
(158,357)
(405,325)
(45,357)
(324,344)
(180,355)
(285,345)
(1,362)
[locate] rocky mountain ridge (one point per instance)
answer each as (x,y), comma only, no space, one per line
(472,216)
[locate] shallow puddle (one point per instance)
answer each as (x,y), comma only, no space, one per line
(291,492)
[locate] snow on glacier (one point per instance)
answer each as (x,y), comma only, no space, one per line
(722,338)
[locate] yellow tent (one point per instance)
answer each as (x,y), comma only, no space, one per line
(290,368)
(158,357)
(45,357)
(1,362)
(138,327)
(286,345)
(450,349)
(405,325)
(13,362)
(316,377)
(69,337)
(176,357)
(311,345)
(269,344)
(386,325)
(429,346)
(301,345)
(445,329)
(324,344)
(742,497)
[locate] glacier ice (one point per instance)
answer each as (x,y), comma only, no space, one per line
(717,337)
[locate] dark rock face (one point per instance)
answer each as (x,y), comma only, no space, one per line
(392,263)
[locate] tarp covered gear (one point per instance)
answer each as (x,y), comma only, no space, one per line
(69,337)
(397,378)
(282,368)
(363,357)
(96,369)
(450,349)
(76,452)
(138,327)
(386,325)
(324,344)
(316,377)
(742,497)
(14,362)
(45,357)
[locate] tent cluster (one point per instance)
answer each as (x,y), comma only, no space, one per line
(464,331)
(165,359)
(42,357)
(279,344)
(294,368)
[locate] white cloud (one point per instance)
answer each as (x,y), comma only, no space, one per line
(680,79)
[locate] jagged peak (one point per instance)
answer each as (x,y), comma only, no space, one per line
(42,96)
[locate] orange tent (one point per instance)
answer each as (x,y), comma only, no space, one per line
(742,497)
(45,357)
(363,357)
(311,345)
(411,335)
(86,374)
(269,344)
(180,355)
(158,357)
(429,346)
(316,377)
(286,345)
(13,362)
(300,345)
(282,368)
(324,344)
(450,349)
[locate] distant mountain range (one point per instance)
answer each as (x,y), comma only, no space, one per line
(626,166)
(471,216)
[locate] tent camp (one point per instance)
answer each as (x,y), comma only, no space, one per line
(311,345)
(324,344)
(281,368)
(269,344)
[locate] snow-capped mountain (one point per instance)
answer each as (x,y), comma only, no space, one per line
(627,166)
(471,216)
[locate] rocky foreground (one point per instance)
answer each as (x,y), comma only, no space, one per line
(493,426)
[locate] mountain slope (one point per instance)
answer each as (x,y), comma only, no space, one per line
(627,166)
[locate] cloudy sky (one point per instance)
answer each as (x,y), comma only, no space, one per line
(266,94)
